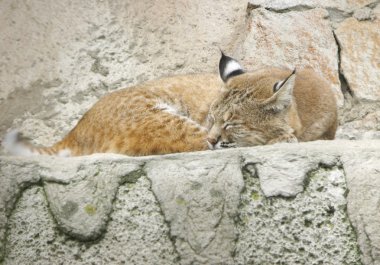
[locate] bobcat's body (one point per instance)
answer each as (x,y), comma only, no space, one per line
(197,112)
(157,117)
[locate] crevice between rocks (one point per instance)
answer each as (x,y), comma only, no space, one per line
(345,87)
(373,5)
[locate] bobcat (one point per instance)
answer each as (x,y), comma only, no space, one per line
(200,112)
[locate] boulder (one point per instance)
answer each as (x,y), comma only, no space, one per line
(360,58)
(285,40)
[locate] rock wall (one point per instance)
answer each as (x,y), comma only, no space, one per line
(310,203)
(59,57)
(285,204)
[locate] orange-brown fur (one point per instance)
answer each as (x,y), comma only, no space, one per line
(128,121)
(172,115)
(312,114)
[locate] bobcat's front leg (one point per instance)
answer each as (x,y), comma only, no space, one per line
(285,138)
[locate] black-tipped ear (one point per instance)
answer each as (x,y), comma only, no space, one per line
(279,84)
(283,94)
(229,67)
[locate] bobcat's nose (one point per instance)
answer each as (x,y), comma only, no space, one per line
(213,141)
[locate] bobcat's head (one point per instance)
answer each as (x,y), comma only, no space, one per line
(253,109)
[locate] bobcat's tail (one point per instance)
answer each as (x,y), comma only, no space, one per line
(14,143)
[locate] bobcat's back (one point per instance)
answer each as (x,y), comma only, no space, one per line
(157,117)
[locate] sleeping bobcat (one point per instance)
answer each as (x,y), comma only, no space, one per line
(199,112)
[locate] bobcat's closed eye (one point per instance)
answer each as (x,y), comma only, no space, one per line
(170,115)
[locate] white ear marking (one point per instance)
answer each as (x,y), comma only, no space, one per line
(229,67)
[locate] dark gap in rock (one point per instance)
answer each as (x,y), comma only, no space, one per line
(297,8)
(251,7)
(344,85)
(373,5)
(336,15)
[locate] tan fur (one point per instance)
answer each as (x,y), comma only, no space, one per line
(245,107)
(172,115)
(134,121)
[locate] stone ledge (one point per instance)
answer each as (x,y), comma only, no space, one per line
(286,203)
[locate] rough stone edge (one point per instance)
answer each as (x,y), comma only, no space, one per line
(328,148)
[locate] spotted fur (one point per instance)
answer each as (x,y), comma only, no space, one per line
(199,112)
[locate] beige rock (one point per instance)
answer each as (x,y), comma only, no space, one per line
(355,4)
(69,55)
(286,40)
(365,13)
(366,126)
(377,11)
(362,208)
(360,57)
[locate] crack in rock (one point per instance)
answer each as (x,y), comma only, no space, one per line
(345,87)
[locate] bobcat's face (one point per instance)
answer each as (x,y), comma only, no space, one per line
(232,127)
(252,111)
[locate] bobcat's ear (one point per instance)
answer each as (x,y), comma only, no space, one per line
(283,94)
(229,67)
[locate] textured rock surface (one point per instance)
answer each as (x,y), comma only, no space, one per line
(360,57)
(286,40)
(310,228)
(134,236)
(196,208)
(272,204)
(191,189)
(362,207)
(58,59)
(89,48)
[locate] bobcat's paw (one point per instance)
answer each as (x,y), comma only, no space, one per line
(287,138)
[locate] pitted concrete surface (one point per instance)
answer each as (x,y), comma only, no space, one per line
(273,204)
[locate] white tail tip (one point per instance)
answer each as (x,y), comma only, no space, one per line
(12,143)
